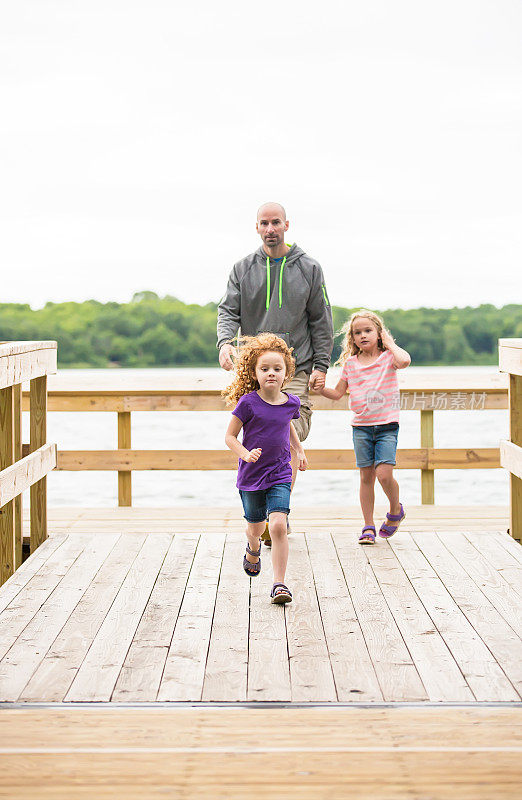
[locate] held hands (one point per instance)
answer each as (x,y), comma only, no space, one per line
(317,380)
(227,354)
(253,455)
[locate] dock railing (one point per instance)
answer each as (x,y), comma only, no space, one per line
(427,394)
(510,361)
(20,362)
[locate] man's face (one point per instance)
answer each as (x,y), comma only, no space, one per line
(271,226)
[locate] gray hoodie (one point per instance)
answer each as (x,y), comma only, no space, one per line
(287,299)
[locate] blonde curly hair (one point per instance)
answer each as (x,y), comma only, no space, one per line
(348,346)
(251,347)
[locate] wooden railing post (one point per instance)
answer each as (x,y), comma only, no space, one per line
(515,427)
(38,436)
(7,531)
(427,475)
(124,443)
(17,443)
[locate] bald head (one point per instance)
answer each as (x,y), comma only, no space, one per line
(272,225)
(270,210)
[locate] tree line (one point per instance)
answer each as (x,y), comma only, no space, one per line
(152,331)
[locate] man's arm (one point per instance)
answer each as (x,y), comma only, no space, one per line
(228,321)
(320,325)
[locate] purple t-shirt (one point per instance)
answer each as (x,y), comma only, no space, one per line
(268,427)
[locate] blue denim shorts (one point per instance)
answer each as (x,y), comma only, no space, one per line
(375,444)
(258,505)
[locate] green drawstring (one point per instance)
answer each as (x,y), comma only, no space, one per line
(324,293)
(280,282)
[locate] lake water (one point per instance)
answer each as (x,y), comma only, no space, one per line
(205,430)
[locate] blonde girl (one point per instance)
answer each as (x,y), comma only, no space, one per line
(370,360)
(263,411)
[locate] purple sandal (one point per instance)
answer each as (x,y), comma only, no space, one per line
(250,568)
(368,535)
(391,524)
(280,593)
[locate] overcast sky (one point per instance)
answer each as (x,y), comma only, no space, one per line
(138,138)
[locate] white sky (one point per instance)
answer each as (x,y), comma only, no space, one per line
(138,138)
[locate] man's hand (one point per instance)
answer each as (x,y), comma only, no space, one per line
(253,455)
(317,380)
(226,355)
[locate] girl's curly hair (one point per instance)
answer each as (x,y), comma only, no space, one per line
(348,346)
(251,347)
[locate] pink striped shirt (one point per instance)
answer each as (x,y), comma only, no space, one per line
(374,390)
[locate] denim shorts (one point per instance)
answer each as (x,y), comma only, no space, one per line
(375,444)
(258,505)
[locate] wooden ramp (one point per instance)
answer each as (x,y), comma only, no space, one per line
(131,606)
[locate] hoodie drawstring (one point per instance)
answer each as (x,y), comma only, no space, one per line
(280,282)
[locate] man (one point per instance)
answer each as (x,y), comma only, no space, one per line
(280,289)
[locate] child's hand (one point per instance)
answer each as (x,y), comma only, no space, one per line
(253,456)
(387,339)
(303,461)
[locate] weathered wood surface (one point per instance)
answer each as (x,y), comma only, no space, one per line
(114,392)
(38,436)
(300,754)
(123,460)
(229,519)
(24,361)
(133,605)
(24,473)
(510,356)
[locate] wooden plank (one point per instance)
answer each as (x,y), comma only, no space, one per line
(268,662)
(38,436)
(30,567)
(7,527)
(440,674)
(479,667)
(491,583)
(515,431)
(27,602)
(395,669)
(503,561)
(194,400)
(311,674)
(124,443)
(185,666)
(504,644)
(511,457)
(142,669)
(55,673)
(227,662)
(97,676)
(510,356)
(329,729)
(427,475)
(448,754)
(17,455)
(33,643)
(354,675)
(24,473)
(127,460)
(23,363)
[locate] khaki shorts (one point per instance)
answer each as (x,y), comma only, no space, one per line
(299,386)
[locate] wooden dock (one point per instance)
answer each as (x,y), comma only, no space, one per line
(138,661)
(151,605)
